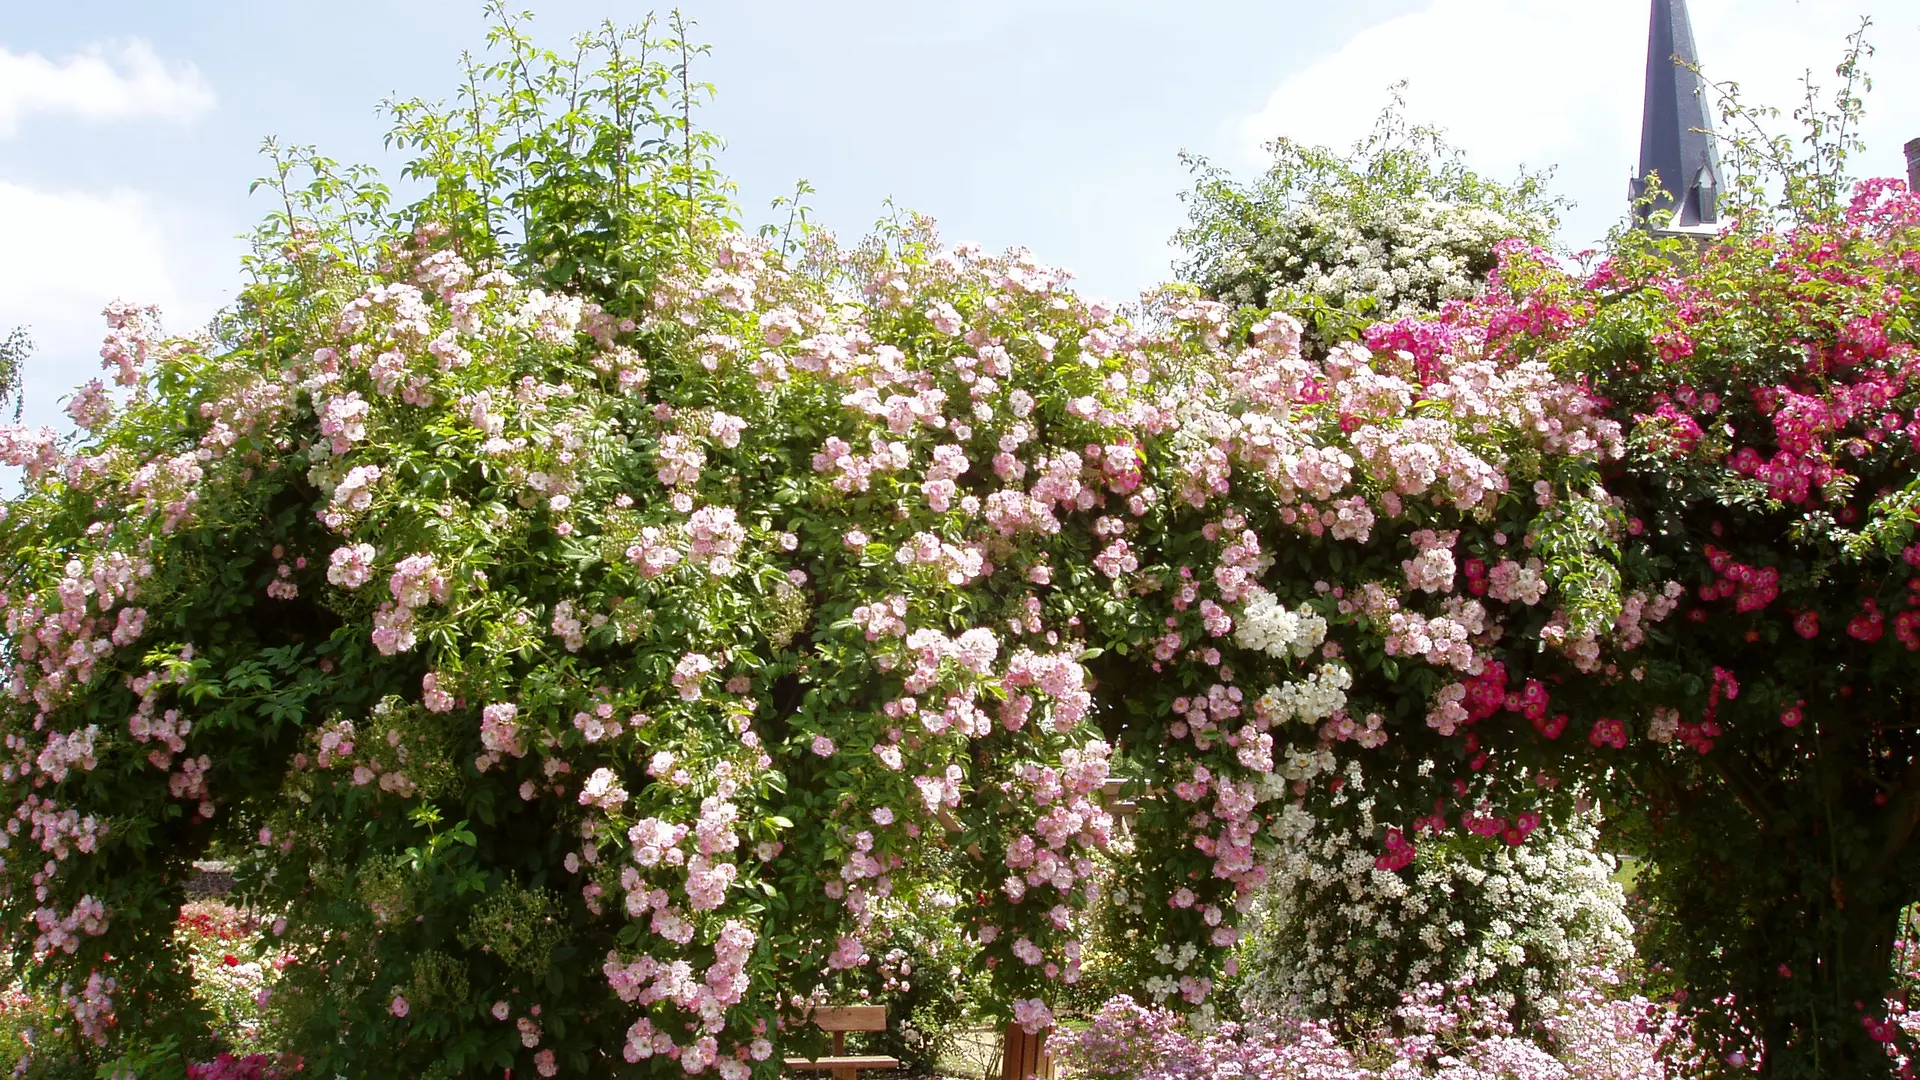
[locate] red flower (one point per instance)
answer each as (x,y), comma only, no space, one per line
(1608,733)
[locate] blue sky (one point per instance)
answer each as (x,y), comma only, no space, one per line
(129,131)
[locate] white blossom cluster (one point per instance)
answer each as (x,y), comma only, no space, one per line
(1267,625)
(1395,227)
(1405,255)
(1332,935)
(1309,700)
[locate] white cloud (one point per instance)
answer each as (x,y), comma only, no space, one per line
(1559,83)
(69,253)
(103,82)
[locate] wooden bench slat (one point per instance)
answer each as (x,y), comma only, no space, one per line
(850,1018)
(862,1061)
(840,1019)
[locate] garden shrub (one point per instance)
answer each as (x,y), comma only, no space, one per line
(1757,751)
(1396,228)
(610,628)
(594,634)
(1334,937)
(1760,754)
(1393,228)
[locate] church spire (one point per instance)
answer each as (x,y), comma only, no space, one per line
(1676,137)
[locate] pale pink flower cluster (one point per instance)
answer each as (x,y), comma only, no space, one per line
(655,841)
(953,564)
(353,493)
(432,697)
(603,790)
(725,429)
(679,460)
(1057,675)
(1442,640)
(882,618)
(1580,644)
(715,537)
(1431,569)
(707,882)
(417,582)
(1011,512)
(500,733)
(653,552)
(1032,1015)
(343,420)
(91,406)
(133,334)
(1446,713)
(566,626)
(599,724)
(92,1007)
(166,486)
(949,462)
(59,832)
(37,450)
(848,952)
(283,587)
(334,743)
(1638,610)
(705,994)
(68,750)
(1510,582)
(1116,559)
(393,629)
(148,722)
(551,318)
(855,471)
(690,673)
(62,932)
(1422,454)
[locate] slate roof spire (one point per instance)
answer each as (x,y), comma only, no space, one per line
(1676,137)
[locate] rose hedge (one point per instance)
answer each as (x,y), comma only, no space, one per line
(706,651)
(586,628)
(580,667)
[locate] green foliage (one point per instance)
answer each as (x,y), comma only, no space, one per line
(14,350)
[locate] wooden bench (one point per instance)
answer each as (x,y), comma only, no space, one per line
(841,1020)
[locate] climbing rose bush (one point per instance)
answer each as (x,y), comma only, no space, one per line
(579,639)
(633,620)
(827,542)
(1759,749)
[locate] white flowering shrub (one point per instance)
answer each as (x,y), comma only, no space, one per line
(1394,228)
(1338,936)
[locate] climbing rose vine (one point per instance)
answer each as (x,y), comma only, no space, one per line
(707,624)
(1758,752)
(577,659)
(581,624)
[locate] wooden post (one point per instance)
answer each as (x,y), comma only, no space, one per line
(1024,1056)
(840,1050)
